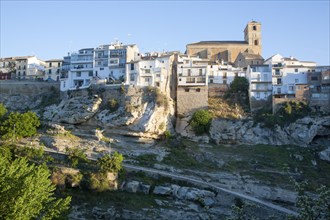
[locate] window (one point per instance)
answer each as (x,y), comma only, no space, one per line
(132,76)
(225,81)
(258,95)
(162,61)
(291,88)
(190,80)
(78,74)
(90,73)
(147,70)
(147,79)
(278,90)
(189,72)
(132,66)
(200,72)
(186,90)
(101,68)
(296,70)
(256,42)
(265,94)
(50,64)
(254,28)
(99,63)
(49,71)
(150,66)
(314,78)
(277,72)
(279,81)
(157,84)
(95,73)
(198,90)
(225,75)
(59,64)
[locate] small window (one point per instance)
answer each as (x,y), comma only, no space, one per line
(90,73)
(78,74)
(314,78)
(198,90)
(296,70)
(256,42)
(258,95)
(254,28)
(186,90)
(49,71)
(50,64)
(279,81)
(200,72)
(225,82)
(189,72)
(101,68)
(132,66)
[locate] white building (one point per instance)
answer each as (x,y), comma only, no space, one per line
(223,73)
(151,69)
(260,86)
(26,67)
(104,64)
(192,71)
(287,73)
(53,69)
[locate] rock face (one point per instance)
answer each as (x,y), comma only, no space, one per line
(73,111)
(301,133)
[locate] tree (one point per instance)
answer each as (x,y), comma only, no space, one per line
(76,155)
(201,121)
(239,84)
(26,192)
(111,163)
(312,207)
(19,125)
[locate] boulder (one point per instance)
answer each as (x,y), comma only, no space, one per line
(325,154)
(162,190)
(132,186)
(144,188)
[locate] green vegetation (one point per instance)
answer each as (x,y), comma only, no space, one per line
(161,99)
(76,155)
(99,182)
(146,159)
(310,207)
(19,125)
(113,105)
(111,163)
(288,112)
(3,110)
(238,93)
(201,121)
(27,193)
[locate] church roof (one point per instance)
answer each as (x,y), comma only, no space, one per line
(219,42)
(252,56)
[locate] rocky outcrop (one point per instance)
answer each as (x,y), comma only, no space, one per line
(76,110)
(325,154)
(301,133)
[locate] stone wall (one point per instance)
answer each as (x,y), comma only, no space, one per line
(217,90)
(190,99)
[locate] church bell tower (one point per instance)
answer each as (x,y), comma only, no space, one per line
(252,35)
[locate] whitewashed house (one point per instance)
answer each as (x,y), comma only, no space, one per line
(287,73)
(223,73)
(260,86)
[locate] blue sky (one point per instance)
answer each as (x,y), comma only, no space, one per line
(50,29)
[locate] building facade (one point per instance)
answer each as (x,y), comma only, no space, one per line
(53,70)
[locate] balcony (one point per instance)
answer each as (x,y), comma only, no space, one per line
(192,81)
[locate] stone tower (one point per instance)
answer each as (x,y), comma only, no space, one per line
(252,35)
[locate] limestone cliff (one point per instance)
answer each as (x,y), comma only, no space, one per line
(135,110)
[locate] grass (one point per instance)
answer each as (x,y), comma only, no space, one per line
(268,163)
(146,159)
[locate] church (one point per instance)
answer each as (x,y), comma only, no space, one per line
(228,51)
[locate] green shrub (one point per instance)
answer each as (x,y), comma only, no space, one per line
(3,110)
(201,121)
(76,155)
(111,163)
(99,182)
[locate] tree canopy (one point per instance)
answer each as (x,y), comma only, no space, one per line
(19,125)
(26,191)
(111,163)
(239,84)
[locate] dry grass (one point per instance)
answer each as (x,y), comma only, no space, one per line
(220,108)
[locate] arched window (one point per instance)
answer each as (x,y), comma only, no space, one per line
(254,28)
(255,42)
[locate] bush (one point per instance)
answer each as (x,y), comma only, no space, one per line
(114,105)
(239,84)
(99,182)
(201,121)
